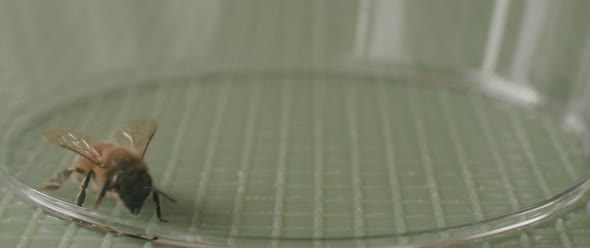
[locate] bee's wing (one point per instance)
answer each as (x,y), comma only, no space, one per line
(137,134)
(75,141)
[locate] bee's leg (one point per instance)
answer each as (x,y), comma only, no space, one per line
(156,199)
(165,195)
(101,194)
(82,195)
(59,179)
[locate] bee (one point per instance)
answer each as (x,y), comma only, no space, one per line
(114,169)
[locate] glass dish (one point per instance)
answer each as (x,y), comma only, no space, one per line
(358,123)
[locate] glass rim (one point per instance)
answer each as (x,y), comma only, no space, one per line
(175,236)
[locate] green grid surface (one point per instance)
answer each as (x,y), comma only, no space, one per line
(293,155)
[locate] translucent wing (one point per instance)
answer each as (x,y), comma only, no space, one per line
(137,134)
(75,141)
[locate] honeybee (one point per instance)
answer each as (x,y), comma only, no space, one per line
(114,168)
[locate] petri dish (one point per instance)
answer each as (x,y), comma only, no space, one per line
(324,156)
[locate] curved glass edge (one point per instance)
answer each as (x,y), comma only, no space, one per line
(426,238)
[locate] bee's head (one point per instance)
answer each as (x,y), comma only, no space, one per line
(133,188)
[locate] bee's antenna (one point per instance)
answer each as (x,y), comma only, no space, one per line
(163,194)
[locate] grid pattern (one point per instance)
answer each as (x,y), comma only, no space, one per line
(294,157)
(307,157)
